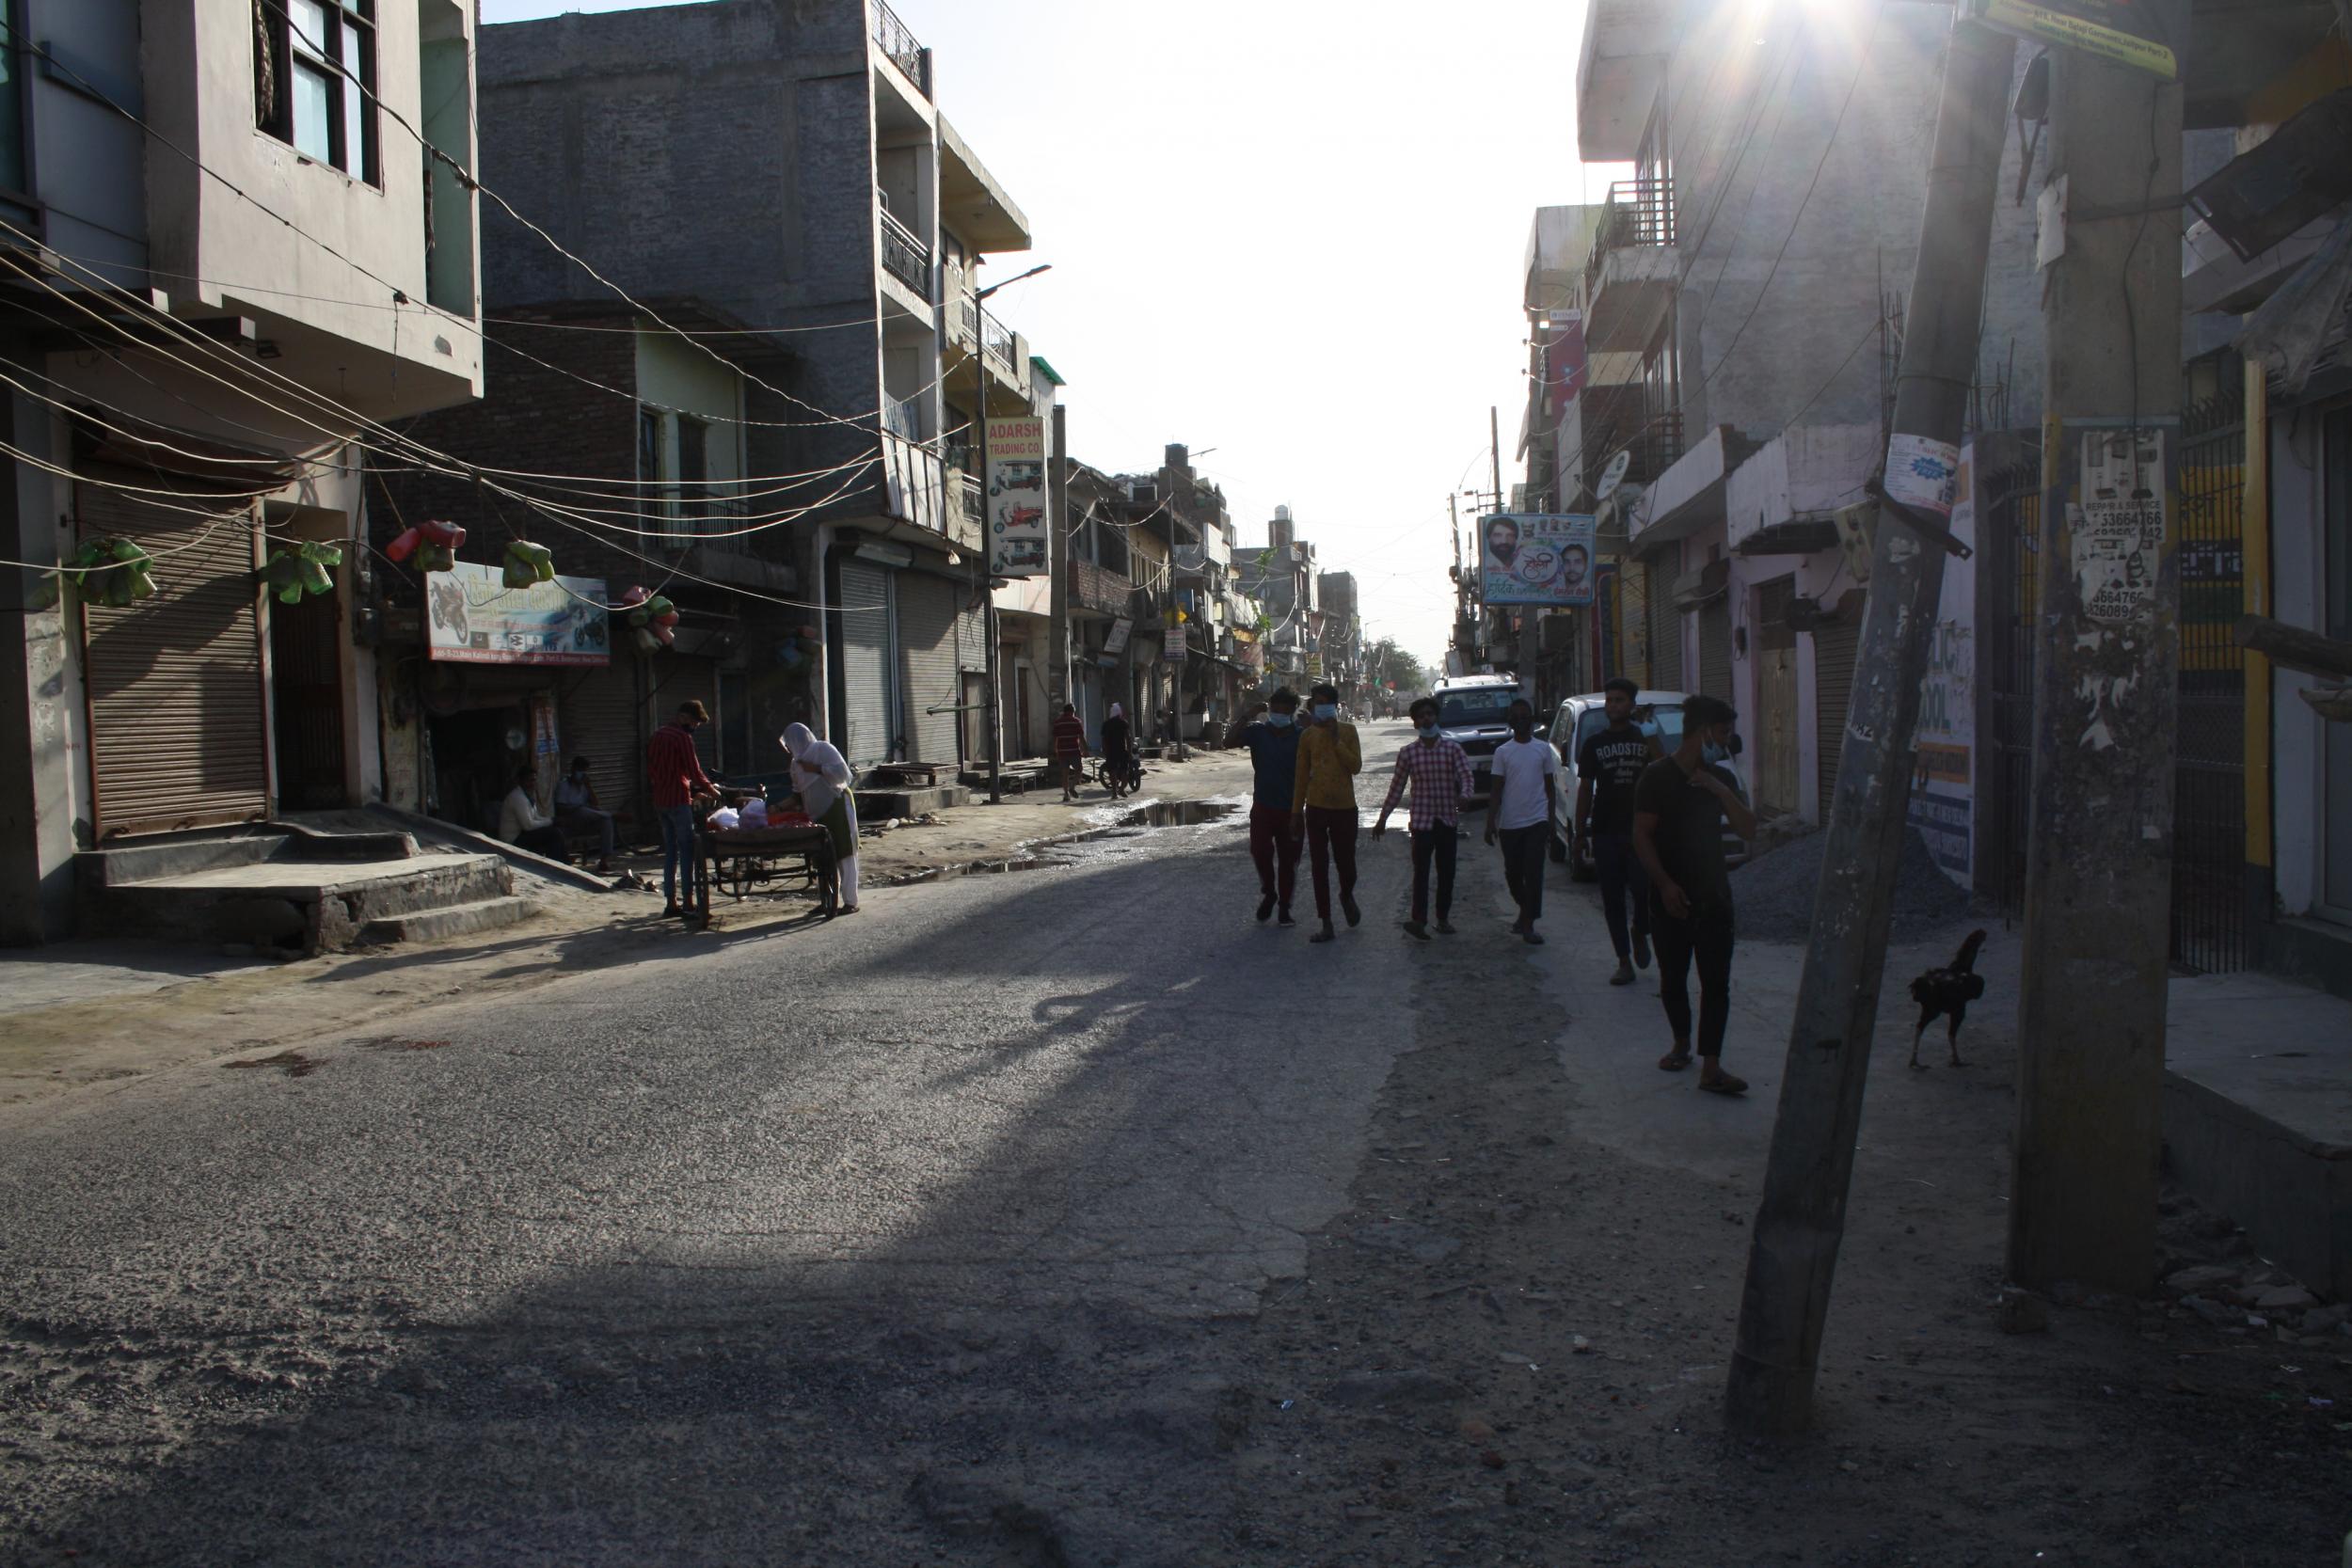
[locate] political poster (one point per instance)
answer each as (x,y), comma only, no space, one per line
(472,617)
(1536,558)
(1015,504)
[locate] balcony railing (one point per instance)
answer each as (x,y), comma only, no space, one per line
(1654,436)
(1638,213)
(902,417)
(974,509)
(1099,589)
(904,256)
(967,320)
(996,341)
(896,40)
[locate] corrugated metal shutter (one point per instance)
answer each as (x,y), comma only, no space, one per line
(865,682)
(179,723)
(1715,649)
(1665,632)
(598,718)
(1833,690)
(1633,650)
(927,608)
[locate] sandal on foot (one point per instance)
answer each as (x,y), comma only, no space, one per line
(1674,1061)
(1724,1082)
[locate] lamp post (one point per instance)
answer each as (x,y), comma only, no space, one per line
(988,549)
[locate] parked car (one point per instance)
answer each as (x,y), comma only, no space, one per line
(1580,719)
(1470,714)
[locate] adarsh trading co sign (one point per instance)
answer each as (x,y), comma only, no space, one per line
(472,617)
(2120,30)
(1016,496)
(1534,558)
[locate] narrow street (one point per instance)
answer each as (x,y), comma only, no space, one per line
(1069,1216)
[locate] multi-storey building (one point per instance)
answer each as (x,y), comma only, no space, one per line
(1282,578)
(1752,267)
(814,505)
(226,254)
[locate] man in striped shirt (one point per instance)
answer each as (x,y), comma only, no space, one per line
(1439,773)
(677,776)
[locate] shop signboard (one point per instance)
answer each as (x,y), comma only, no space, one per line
(1016,501)
(1172,646)
(472,617)
(2120,30)
(1536,558)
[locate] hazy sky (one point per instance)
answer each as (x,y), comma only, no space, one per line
(1288,230)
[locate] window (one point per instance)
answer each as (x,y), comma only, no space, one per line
(653,465)
(314,80)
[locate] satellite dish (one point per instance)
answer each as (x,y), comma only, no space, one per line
(1613,475)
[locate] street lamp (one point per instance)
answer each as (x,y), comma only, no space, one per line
(988,553)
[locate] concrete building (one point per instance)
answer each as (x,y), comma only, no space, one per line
(1753,267)
(1284,578)
(1341,640)
(222,261)
(789,167)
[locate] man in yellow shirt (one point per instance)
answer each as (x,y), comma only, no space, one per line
(1323,802)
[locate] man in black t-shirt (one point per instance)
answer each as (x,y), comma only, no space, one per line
(1606,770)
(1679,807)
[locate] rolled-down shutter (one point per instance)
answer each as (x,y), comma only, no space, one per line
(865,661)
(1832,692)
(598,718)
(1665,631)
(179,721)
(928,661)
(1634,656)
(1715,649)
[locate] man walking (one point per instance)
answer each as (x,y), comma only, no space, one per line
(1069,749)
(1607,768)
(1272,741)
(676,775)
(1526,795)
(1679,808)
(1439,773)
(1323,805)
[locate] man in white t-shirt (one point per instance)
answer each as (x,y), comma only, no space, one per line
(1526,796)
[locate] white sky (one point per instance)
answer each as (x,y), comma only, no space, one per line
(1290,231)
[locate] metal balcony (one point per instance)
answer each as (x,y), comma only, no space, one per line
(1653,436)
(896,40)
(1098,589)
(904,256)
(1634,269)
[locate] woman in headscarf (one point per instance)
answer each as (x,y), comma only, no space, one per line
(1115,749)
(822,779)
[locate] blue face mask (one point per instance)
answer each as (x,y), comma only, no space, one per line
(1717,751)
(1279,720)
(1326,710)
(1428,731)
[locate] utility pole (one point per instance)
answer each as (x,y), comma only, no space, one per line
(1058,564)
(988,577)
(2098,870)
(1792,1254)
(1494,450)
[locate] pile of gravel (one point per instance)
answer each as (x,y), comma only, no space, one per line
(1773,894)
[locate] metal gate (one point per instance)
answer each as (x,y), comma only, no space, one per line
(926,668)
(1715,649)
(2208,924)
(868,691)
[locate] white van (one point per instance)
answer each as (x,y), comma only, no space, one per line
(1470,714)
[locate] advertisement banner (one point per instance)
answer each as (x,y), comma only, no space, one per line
(1536,558)
(472,617)
(2119,30)
(1172,646)
(1015,503)
(1943,787)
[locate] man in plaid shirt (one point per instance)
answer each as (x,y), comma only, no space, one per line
(1440,774)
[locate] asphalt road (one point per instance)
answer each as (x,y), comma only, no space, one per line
(822,1244)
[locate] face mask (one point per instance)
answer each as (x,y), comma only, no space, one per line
(1428,731)
(1717,751)
(1326,710)
(1279,720)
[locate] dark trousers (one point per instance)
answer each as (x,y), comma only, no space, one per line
(1275,845)
(1331,842)
(548,841)
(1433,846)
(1624,888)
(1524,852)
(1704,935)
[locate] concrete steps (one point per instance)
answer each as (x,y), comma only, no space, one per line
(880,805)
(448,920)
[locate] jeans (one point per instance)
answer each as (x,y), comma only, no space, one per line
(1433,845)
(1331,842)
(1275,847)
(1624,886)
(677,848)
(1523,852)
(1705,935)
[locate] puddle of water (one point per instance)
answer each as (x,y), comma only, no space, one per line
(1178,814)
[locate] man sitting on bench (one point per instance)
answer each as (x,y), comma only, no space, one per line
(577,813)
(520,824)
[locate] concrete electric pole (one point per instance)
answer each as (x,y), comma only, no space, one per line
(2099,859)
(1793,1253)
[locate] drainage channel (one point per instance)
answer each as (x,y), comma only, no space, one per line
(1036,855)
